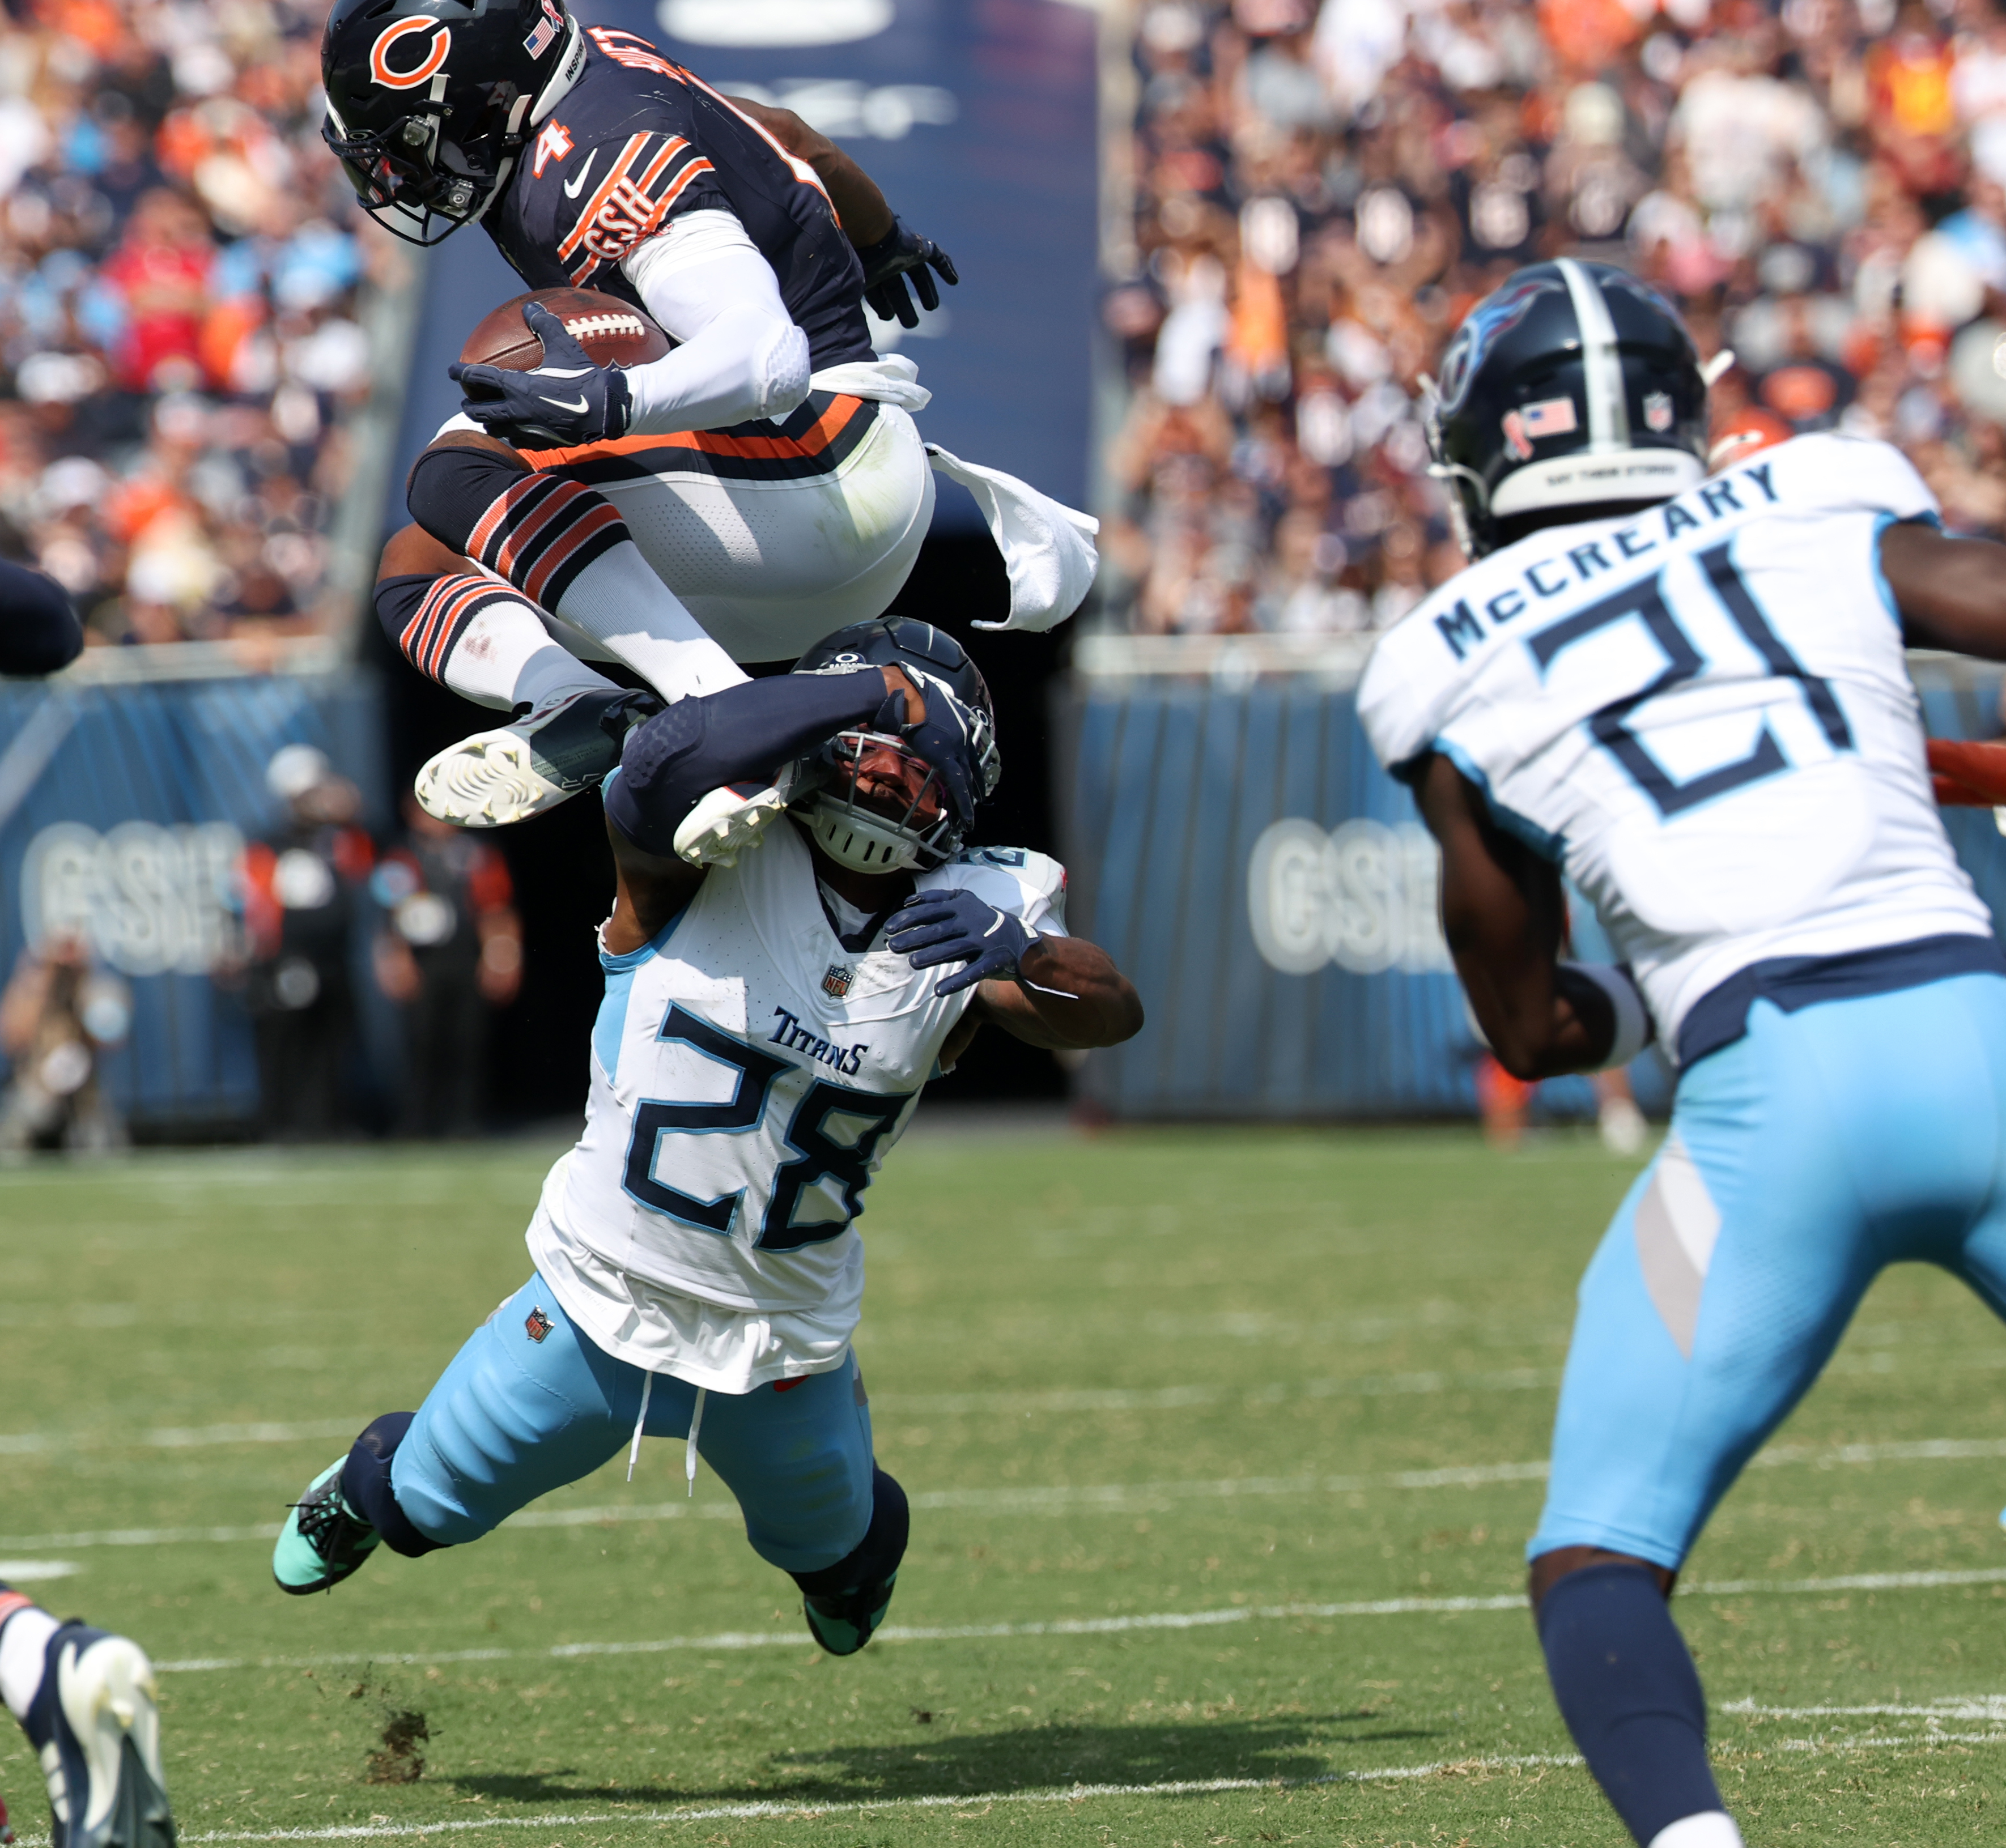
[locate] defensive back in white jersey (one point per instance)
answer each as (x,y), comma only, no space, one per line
(748,1075)
(1702,713)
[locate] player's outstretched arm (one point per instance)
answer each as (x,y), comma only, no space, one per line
(648,890)
(1951,592)
(865,216)
(890,252)
(1503,912)
(1067,996)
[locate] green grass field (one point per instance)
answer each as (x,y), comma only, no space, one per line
(1223,1447)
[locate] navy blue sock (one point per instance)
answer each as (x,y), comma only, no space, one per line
(1630,1695)
(365,1480)
(876,1556)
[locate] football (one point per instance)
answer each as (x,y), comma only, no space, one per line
(612,332)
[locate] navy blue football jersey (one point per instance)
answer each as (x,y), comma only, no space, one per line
(638,142)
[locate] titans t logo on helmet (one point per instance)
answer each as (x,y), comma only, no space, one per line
(1572,386)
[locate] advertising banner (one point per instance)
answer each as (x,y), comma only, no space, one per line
(1273,894)
(124,810)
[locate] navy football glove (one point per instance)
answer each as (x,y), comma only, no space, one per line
(951,738)
(568,400)
(931,927)
(886,264)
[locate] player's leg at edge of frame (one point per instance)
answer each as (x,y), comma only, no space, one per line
(87,1699)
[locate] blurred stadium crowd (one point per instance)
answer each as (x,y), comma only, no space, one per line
(180,260)
(1321,192)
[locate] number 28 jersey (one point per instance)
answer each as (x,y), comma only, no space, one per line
(1702,713)
(748,1074)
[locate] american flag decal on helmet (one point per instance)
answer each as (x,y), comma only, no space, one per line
(551,24)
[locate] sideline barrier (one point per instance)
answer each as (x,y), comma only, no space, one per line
(1234,845)
(123,809)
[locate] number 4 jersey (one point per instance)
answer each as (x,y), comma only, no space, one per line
(1702,713)
(748,1074)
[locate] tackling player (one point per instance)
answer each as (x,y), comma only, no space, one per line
(758,487)
(766,1031)
(1687,693)
(84,1697)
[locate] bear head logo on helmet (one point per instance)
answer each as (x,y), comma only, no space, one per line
(1572,386)
(870,803)
(429,101)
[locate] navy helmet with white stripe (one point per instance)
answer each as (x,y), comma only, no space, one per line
(1572,386)
(854,830)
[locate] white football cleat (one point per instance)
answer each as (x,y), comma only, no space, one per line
(99,1732)
(729,819)
(497,778)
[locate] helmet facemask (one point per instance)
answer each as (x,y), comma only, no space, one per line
(411,177)
(880,808)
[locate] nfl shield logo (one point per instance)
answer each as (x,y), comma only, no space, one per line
(537,1324)
(1658,411)
(835,982)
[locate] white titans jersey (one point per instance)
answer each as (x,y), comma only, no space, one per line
(748,1074)
(1702,714)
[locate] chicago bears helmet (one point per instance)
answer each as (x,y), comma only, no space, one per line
(428,101)
(1571,385)
(853,831)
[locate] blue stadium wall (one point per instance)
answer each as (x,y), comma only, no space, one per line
(1272,893)
(124,807)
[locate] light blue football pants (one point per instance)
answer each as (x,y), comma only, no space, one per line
(1802,1158)
(515,1417)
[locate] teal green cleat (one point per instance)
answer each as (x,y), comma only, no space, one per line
(324,1539)
(844,1621)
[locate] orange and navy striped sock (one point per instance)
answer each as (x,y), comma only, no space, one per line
(565,547)
(479,636)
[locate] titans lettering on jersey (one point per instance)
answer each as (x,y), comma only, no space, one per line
(748,1074)
(1703,713)
(638,142)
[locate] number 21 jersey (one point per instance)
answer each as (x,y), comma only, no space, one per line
(1701,712)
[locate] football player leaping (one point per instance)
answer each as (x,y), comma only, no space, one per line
(1688,695)
(766,1030)
(760,486)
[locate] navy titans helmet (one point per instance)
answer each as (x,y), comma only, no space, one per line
(1571,384)
(851,832)
(429,102)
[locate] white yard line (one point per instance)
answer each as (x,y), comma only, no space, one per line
(30,1571)
(1972,1706)
(1112,1497)
(1210,1786)
(29,1443)
(733,1641)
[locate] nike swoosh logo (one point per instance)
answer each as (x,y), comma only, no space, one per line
(581,406)
(563,372)
(573,187)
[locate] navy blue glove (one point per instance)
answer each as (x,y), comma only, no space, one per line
(887,263)
(568,400)
(931,927)
(953,737)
